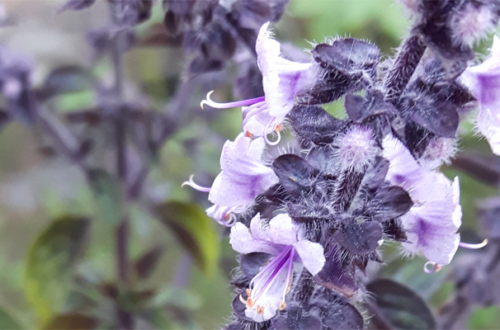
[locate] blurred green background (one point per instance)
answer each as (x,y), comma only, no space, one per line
(35,189)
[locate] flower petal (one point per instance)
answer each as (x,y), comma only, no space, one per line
(243,175)
(242,241)
(311,254)
(280,230)
(282,79)
(432,231)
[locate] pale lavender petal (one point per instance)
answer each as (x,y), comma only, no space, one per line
(483,80)
(280,230)
(311,255)
(432,231)
(218,213)
(256,125)
(242,241)
(282,79)
(270,286)
(243,175)
(404,170)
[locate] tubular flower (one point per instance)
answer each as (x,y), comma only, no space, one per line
(282,82)
(431,224)
(242,178)
(484,82)
(285,242)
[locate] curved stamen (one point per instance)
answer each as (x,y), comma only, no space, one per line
(252,107)
(228,219)
(275,274)
(194,185)
(473,246)
(435,267)
(229,105)
(253,112)
(266,129)
(289,277)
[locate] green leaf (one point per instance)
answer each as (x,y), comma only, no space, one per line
(7,321)
(146,264)
(48,269)
(70,321)
(177,297)
(398,306)
(107,196)
(484,318)
(194,230)
(68,79)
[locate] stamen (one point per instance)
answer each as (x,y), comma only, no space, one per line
(229,105)
(473,246)
(282,305)
(250,302)
(260,309)
(279,128)
(273,143)
(228,219)
(248,134)
(276,265)
(194,185)
(435,267)
(242,300)
(254,111)
(253,107)
(249,292)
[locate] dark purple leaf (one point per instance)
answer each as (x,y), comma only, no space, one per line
(359,108)
(394,229)
(482,167)
(440,119)
(359,238)
(390,203)
(338,275)
(347,54)
(376,175)
(67,79)
(181,7)
(76,5)
(146,264)
(399,306)
(309,213)
(70,321)
(252,262)
(202,65)
(295,173)
(314,124)
(343,316)
(296,318)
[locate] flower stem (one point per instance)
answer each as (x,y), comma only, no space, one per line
(405,64)
(124,318)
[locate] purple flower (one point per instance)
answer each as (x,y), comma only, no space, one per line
(282,239)
(356,148)
(243,176)
(282,81)
(484,82)
(431,224)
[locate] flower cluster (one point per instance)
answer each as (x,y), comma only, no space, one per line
(308,223)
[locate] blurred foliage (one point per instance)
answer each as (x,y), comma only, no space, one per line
(40,244)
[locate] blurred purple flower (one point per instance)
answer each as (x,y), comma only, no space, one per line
(243,176)
(431,224)
(282,239)
(484,82)
(283,80)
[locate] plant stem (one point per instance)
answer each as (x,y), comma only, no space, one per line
(124,318)
(405,64)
